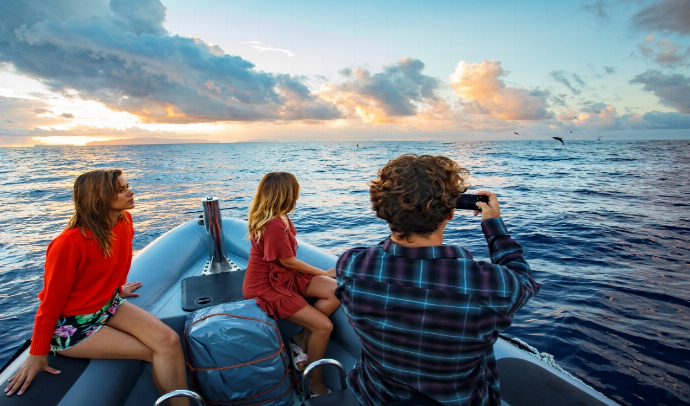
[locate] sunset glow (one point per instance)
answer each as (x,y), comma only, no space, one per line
(75,140)
(454,71)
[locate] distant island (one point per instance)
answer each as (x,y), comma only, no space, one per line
(260,140)
(150,140)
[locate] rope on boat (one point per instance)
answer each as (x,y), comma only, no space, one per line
(543,356)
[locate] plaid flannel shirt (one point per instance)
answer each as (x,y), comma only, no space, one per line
(428,317)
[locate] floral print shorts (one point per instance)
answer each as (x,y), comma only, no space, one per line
(71,330)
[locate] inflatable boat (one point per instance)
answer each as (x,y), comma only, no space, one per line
(199,264)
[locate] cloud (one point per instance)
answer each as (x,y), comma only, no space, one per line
(481,86)
(139,17)
(577,79)
(594,115)
(665,15)
(24,113)
(298,103)
(673,90)
(596,7)
(601,116)
(400,91)
(67,115)
(559,100)
(659,120)
(261,47)
(119,54)
(609,70)
(559,76)
(664,51)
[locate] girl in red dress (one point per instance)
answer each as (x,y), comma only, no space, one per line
(280,282)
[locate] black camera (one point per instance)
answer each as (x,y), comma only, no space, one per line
(468,201)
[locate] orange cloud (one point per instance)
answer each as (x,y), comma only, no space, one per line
(484,92)
(401,93)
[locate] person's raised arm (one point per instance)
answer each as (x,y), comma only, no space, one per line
(506,253)
(303,267)
(503,249)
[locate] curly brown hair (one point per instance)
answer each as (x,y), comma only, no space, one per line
(414,194)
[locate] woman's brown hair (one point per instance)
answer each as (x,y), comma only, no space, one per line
(93,195)
(414,194)
(276,196)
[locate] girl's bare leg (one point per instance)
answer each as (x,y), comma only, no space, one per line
(323,288)
(133,333)
(320,327)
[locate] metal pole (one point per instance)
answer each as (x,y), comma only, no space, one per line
(214,235)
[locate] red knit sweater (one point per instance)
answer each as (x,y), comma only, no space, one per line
(79,279)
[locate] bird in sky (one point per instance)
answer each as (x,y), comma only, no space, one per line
(514,132)
(571,131)
(559,139)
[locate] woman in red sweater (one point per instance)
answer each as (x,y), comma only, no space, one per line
(85,280)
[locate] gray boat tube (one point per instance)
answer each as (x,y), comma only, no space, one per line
(182,252)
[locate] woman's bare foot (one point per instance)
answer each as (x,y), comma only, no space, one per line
(300,339)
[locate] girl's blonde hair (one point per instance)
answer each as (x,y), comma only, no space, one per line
(93,196)
(275,197)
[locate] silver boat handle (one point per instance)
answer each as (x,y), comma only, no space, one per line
(316,364)
(180,393)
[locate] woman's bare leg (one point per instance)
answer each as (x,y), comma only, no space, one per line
(320,327)
(323,288)
(133,333)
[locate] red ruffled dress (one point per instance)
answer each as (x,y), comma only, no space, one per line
(278,290)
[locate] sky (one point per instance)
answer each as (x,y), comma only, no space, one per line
(80,71)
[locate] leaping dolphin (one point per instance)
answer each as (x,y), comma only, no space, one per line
(559,139)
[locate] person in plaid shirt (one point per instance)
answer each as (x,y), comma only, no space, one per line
(428,314)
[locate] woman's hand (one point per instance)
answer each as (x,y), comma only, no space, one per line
(130,287)
(26,373)
(331,273)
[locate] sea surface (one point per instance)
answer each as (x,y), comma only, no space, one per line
(605,226)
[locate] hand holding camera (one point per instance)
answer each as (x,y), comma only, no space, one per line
(483,202)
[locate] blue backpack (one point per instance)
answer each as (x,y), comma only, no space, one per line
(237,357)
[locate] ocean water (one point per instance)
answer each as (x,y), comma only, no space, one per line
(604,225)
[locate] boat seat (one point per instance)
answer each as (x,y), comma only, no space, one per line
(47,389)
